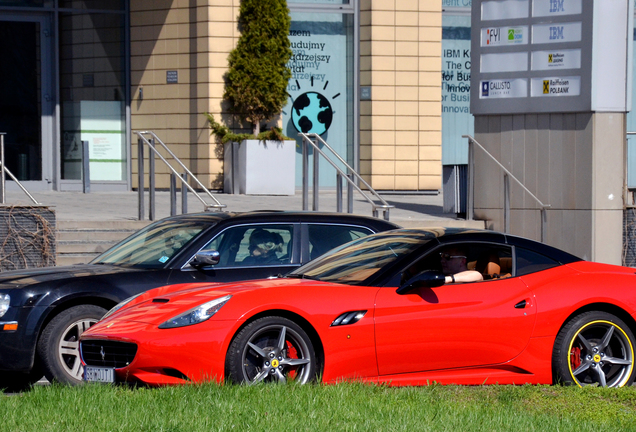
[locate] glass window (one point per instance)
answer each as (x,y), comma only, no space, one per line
(328,2)
(456,66)
(530,262)
(320,90)
(323,238)
(153,246)
(27,3)
(358,261)
(20,97)
(92,79)
(492,261)
(94,4)
(253,246)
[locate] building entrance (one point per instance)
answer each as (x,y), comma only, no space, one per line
(25,101)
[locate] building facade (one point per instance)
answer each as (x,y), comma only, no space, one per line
(98,70)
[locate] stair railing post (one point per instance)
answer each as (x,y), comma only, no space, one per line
(86,168)
(151,181)
(305,174)
(173,194)
(506,180)
(184,193)
(3,190)
(316,182)
(338,193)
(140,173)
(350,195)
(471,181)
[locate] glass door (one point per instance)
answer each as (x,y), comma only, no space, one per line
(26,99)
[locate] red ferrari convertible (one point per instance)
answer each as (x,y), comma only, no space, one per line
(388,308)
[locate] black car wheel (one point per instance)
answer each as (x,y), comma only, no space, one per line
(594,348)
(271,349)
(58,347)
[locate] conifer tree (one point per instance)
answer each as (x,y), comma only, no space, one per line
(256,82)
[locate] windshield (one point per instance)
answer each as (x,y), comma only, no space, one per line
(155,245)
(357,261)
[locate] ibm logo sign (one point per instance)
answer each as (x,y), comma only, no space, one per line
(557,6)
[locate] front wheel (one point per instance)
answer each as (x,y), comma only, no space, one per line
(271,349)
(594,348)
(58,347)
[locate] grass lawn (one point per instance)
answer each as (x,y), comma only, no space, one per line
(352,407)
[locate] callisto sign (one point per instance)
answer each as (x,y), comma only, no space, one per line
(555,86)
(503,88)
(497,36)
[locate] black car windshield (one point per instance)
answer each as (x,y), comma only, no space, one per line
(155,245)
(357,261)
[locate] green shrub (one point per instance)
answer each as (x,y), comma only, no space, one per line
(256,82)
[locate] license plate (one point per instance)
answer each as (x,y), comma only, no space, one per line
(99,374)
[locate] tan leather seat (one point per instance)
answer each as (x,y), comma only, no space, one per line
(489,266)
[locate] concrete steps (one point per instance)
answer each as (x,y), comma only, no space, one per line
(81,241)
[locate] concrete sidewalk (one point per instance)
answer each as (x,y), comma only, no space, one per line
(410,209)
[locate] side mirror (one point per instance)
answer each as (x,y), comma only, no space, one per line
(427,279)
(206,258)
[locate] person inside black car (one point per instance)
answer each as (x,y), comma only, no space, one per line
(263,247)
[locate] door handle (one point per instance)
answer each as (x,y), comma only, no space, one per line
(521,305)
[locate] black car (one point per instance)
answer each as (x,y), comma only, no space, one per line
(44,311)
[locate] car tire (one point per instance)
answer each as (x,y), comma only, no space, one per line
(594,348)
(58,346)
(271,349)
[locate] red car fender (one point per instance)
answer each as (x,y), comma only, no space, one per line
(342,345)
(561,291)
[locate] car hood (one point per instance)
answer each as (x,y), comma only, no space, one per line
(161,304)
(24,278)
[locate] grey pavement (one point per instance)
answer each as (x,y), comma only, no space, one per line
(410,209)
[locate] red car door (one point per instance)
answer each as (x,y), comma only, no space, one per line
(452,326)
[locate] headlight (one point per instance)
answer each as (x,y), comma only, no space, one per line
(196,315)
(4,304)
(121,305)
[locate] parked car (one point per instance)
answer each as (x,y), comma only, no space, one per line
(44,311)
(381,309)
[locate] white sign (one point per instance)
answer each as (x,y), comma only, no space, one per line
(555,86)
(103,127)
(544,8)
(503,88)
(504,9)
(497,36)
(556,33)
(504,62)
(561,59)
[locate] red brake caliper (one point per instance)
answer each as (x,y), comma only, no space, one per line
(575,357)
(292,354)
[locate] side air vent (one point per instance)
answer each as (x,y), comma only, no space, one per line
(160,300)
(348,318)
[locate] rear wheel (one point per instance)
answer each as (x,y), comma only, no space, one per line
(271,349)
(594,348)
(58,347)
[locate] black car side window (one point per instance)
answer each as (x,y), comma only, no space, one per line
(323,237)
(253,246)
(531,262)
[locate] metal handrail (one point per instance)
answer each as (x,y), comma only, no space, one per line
(384,206)
(3,170)
(471,183)
(175,174)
